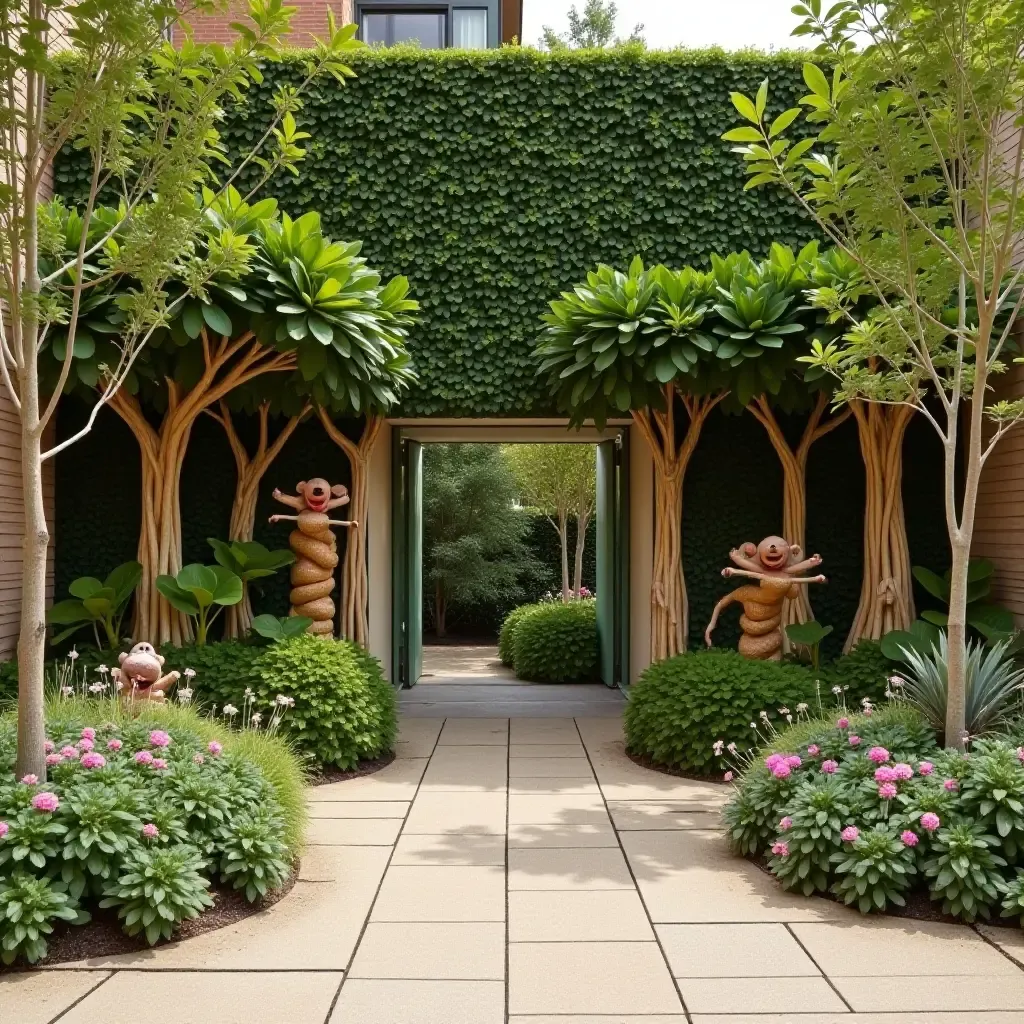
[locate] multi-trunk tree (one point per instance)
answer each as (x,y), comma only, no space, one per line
(308,322)
(914,168)
(103,77)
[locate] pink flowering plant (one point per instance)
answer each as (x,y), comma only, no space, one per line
(874,870)
(139,814)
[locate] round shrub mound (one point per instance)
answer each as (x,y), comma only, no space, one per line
(507,636)
(679,707)
(344,709)
(557,643)
(864,672)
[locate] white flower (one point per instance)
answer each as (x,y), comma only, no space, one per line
(102,669)
(230,710)
(120,685)
(248,692)
(256,719)
(67,691)
(285,702)
(718,746)
(896,681)
(789,718)
(837,690)
(783,711)
(72,655)
(97,687)
(184,695)
(764,716)
(731,748)
(753,725)
(190,673)
(802,706)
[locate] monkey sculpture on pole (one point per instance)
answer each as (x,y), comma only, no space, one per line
(775,564)
(315,547)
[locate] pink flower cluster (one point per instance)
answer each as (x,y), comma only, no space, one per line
(813,749)
(849,834)
(887,790)
(879,755)
(49,746)
(830,767)
(86,743)
(88,733)
(780,849)
(93,760)
(786,824)
(781,765)
(114,745)
(727,777)
(909,838)
(4,829)
(926,768)
(150,831)
(69,753)
(854,741)
(1020,754)
(930,821)
(45,802)
(842,723)
(214,748)
(951,785)
(159,738)
(903,771)
(885,774)
(144,757)
(29,780)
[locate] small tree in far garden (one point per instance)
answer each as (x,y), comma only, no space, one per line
(914,171)
(559,480)
(593,28)
(474,546)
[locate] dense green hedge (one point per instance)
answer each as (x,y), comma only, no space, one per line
(493,180)
(679,707)
(557,643)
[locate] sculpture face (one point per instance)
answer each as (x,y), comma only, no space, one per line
(317,494)
(774,552)
(141,664)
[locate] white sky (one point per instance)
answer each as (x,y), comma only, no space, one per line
(731,24)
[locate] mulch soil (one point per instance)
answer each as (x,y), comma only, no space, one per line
(103,937)
(328,775)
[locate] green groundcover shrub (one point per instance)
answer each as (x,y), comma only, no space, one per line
(557,643)
(863,673)
(507,635)
(344,711)
(679,707)
(140,814)
(870,808)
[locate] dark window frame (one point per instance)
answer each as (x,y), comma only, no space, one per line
(389,10)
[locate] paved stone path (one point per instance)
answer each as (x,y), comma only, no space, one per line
(527,872)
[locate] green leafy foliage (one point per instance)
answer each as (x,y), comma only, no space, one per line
(280,627)
(876,869)
(28,908)
(253,857)
(680,707)
(507,635)
(816,814)
(248,559)
(752,816)
(992,621)
(344,709)
(196,589)
(863,673)
(1013,897)
(160,889)
(402,160)
(993,793)
(94,603)
(809,635)
(964,871)
(557,643)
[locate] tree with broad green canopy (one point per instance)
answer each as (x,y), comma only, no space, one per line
(914,172)
(559,481)
(103,77)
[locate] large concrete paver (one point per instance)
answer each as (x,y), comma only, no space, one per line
(441,894)
(378,1001)
(967,993)
(38,998)
(290,997)
(599,868)
(734,951)
(760,995)
(469,951)
(594,915)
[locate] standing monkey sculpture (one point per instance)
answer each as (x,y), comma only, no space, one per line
(315,547)
(775,564)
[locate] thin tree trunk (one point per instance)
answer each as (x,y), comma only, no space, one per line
(355,586)
(439,610)
(31,758)
(669,605)
(163,452)
(563,536)
(794,487)
(886,597)
(582,522)
(250,470)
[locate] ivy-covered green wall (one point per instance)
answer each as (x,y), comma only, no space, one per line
(496,179)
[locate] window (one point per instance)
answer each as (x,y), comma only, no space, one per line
(428,28)
(469,28)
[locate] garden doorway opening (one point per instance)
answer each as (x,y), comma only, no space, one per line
(454,579)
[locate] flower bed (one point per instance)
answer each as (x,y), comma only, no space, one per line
(869,809)
(141,816)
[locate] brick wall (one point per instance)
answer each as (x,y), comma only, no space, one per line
(310,20)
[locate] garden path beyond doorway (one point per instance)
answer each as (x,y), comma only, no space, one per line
(464,663)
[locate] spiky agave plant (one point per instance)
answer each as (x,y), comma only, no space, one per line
(992,679)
